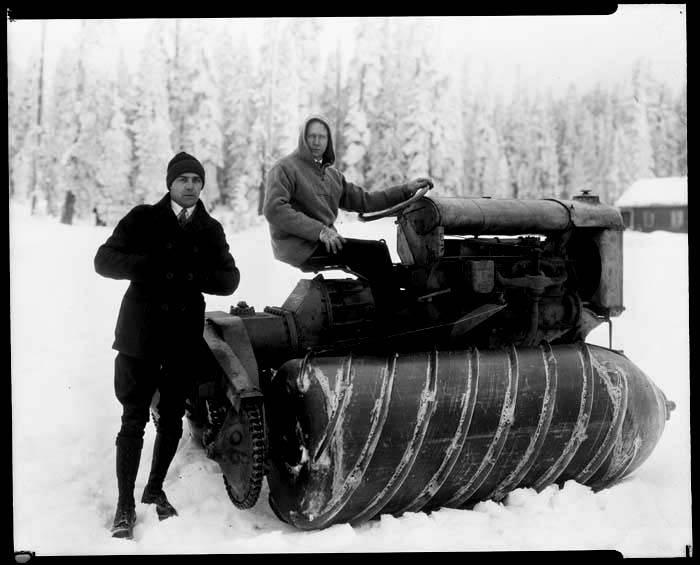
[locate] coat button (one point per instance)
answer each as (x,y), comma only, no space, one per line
(169,276)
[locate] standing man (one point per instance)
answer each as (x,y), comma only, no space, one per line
(303,194)
(172,252)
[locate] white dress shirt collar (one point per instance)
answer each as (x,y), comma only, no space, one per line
(176,208)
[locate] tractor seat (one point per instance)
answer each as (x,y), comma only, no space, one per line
(375,251)
(324,263)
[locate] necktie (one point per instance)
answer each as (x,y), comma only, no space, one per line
(182,217)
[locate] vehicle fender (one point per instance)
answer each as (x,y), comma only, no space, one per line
(228,341)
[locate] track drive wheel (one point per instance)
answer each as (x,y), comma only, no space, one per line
(239,449)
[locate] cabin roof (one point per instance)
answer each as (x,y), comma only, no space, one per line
(666,191)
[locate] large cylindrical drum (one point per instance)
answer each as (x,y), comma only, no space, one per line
(356,436)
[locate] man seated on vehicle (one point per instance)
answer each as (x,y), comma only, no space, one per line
(302,197)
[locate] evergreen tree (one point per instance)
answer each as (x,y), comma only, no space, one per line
(63,125)
(486,168)
(605,139)
(201,134)
(363,120)
(662,125)
(306,51)
(514,142)
(12,115)
(335,101)
(616,178)
(239,171)
(446,141)
(28,161)
(681,145)
(179,92)
(21,127)
(386,159)
(275,129)
(87,155)
(568,118)
(356,136)
(385,153)
(469,109)
(26,127)
(152,127)
(586,162)
(544,175)
(635,123)
(235,84)
(416,88)
(127,95)
(114,171)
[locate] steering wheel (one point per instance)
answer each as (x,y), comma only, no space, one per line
(396,208)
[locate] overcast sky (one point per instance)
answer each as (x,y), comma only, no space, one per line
(549,50)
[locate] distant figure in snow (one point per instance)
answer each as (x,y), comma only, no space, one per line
(172,252)
(98,219)
(303,194)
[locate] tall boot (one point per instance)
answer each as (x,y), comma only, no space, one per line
(163,452)
(128,458)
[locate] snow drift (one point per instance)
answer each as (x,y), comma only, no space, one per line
(65,418)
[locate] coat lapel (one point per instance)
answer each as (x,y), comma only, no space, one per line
(164,208)
(197,221)
(199,217)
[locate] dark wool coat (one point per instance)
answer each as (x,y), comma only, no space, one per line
(301,198)
(169,267)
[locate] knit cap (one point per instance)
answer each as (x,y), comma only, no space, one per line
(183,163)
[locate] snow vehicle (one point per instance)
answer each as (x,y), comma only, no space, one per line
(480,382)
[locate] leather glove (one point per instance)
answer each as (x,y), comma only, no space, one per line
(331,239)
(416,184)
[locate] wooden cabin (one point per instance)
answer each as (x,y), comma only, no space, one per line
(656,204)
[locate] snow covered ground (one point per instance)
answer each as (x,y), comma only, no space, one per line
(65,418)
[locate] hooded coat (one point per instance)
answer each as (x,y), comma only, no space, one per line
(169,267)
(301,198)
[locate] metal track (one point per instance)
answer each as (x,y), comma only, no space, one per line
(242,464)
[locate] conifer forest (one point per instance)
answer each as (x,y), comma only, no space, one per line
(89,139)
